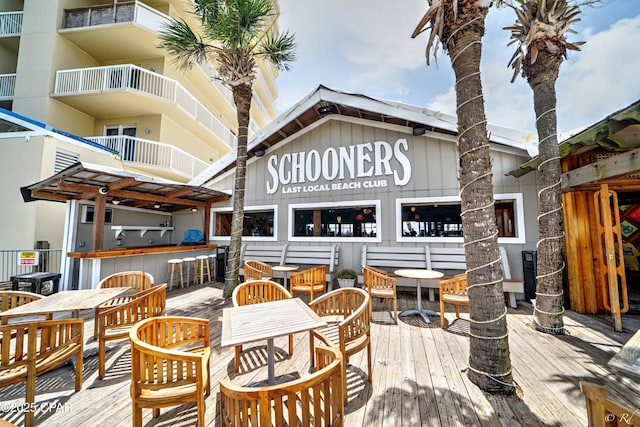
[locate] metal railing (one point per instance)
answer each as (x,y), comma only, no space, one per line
(152,153)
(106,14)
(10,23)
(7,86)
(48,260)
(131,77)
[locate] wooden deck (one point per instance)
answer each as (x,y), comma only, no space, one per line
(418,373)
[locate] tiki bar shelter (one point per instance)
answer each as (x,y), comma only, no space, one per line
(601,202)
(354,173)
(119,220)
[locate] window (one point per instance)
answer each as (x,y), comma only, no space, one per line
(88,213)
(438,218)
(258,223)
(123,139)
(350,221)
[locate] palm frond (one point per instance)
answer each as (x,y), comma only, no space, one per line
(279,50)
(181,42)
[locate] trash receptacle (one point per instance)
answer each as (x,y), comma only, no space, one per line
(222,255)
(529,271)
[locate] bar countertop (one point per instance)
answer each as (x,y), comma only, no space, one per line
(137,251)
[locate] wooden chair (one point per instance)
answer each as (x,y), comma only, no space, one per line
(114,323)
(256,292)
(453,291)
(315,400)
(380,285)
(257,270)
(136,280)
(169,364)
(31,349)
(602,411)
(312,280)
(12,299)
(351,334)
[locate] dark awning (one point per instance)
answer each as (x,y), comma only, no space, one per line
(84,181)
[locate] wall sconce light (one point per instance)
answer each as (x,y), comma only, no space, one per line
(194,209)
(258,153)
(339,219)
(147,130)
(116,201)
(325,110)
(413,208)
(419,130)
(156,205)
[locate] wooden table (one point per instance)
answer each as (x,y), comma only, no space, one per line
(256,322)
(286,269)
(73,301)
(419,274)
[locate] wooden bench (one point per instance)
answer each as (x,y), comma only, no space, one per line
(31,349)
(303,256)
(450,261)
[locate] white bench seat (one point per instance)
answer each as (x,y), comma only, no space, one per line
(450,261)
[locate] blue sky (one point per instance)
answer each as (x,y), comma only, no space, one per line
(365,47)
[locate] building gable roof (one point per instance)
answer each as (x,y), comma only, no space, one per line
(324,102)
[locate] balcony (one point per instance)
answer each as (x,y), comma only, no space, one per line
(127,90)
(10,24)
(153,155)
(111,32)
(7,86)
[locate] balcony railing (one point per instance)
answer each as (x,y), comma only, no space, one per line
(7,86)
(48,260)
(120,77)
(114,13)
(152,153)
(10,23)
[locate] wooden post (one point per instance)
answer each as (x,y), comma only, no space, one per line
(98,221)
(207,220)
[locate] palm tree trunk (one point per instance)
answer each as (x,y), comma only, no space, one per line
(489,360)
(242,98)
(548,308)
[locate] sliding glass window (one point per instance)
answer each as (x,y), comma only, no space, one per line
(349,221)
(259,223)
(438,219)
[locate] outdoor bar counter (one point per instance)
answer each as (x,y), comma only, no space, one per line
(152,259)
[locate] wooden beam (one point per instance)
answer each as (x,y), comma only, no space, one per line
(618,165)
(40,194)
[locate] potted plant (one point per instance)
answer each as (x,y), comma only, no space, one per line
(347,278)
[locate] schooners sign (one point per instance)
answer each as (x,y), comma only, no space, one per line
(299,172)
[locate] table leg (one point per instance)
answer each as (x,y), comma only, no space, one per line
(424,314)
(270,362)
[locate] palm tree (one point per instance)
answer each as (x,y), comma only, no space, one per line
(540,34)
(458,25)
(235,34)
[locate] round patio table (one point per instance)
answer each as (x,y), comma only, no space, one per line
(419,274)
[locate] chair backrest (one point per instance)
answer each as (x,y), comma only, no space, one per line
(169,353)
(315,275)
(314,400)
(12,299)
(138,280)
(148,303)
(256,270)
(376,279)
(457,285)
(259,291)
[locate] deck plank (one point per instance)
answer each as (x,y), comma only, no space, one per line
(419,373)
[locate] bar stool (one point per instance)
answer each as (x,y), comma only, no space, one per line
(171,270)
(190,263)
(202,265)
